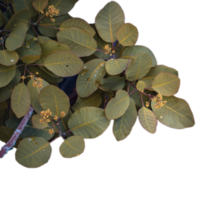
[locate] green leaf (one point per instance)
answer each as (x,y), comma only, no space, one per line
(166,84)
(36,122)
(88,122)
(92,101)
(64,122)
(51,97)
(148,79)
(72,147)
(113,83)
(147,119)
(6,74)
(140,86)
(20,100)
(43,39)
(176,113)
(49,28)
(1,18)
(123,125)
(8,58)
(30,51)
(63,63)
(50,47)
(40,4)
(16,37)
(5,92)
(127,35)
(33,152)
(23,15)
(80,42)
(116,66)
(79,23)
(49,72)
(139,67)
(89,79)
(131,52)
(118,105)
(109,20)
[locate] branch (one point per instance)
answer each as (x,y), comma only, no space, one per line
(16,134)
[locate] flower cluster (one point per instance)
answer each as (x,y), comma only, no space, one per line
(159,102)
(52,11)
(35,83)
(107,49)
(45,115)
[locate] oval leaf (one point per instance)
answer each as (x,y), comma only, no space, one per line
(80,42)
(140,86)
(79,23)
(127,35)
(72,146)
(109,20)
(176,113)
(116,66)
(8,58)
(20,100)
(89,79)
(166,84)
(63,63)
(16,37)
(88,125)
(51,97)
(139,67)
(118,105)
(33,152)
(6,74)
(123,125)
(40,4)
(147,119)
(36,122)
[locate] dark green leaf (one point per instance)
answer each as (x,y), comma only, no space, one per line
(6,74)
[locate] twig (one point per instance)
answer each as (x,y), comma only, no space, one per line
(3,5)
(132,92)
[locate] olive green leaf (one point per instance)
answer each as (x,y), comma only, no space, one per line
(50,47)
(92,101)
(40,5)
(43,39)
(72,147)
(8,58)
(51,97)
(20,100)
(63,63)
(89,79)
(139,67)
(64,122)
(20,4)
(5,92)
(176,113)
(79,23)
(36,122)
(30,51)
(116,66)
(109,20)
(88,122)
(6,74)
(21,16)
(131,52)
(147,119)
(166,84)
(49,28)
(140,86)
(80,42)
(33,152)
(148,79)
(48,72)
(127,35)
(16,37)
(118,105)
(113,83)
(123,125)
(34,94)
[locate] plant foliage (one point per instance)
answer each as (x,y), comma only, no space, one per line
(41,44)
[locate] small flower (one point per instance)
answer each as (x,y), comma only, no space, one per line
(51,131)
(41,121)
(42,12)
(62,114)
(48,120)
(35,84)
(52,19)
(36,73)
(147,104)
(55,118)
(23,77)
(107,49)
